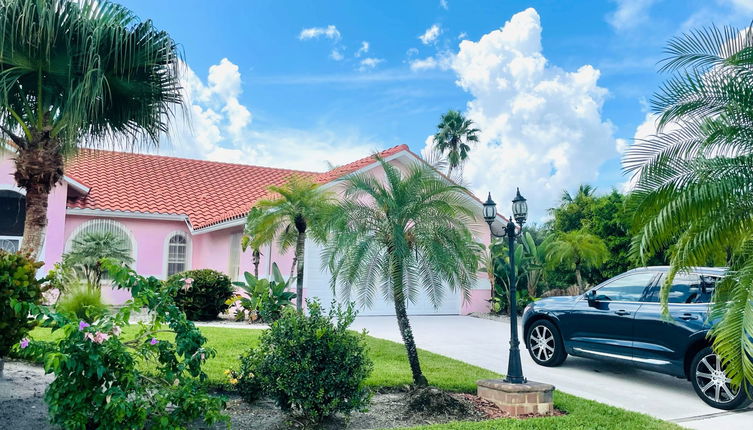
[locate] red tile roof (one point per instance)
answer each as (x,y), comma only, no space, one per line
(207,192)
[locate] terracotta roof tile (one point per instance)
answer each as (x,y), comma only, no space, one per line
(207,192)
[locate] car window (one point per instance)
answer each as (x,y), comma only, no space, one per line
(686,289)
(629,288)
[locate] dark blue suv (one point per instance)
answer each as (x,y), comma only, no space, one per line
(620,321)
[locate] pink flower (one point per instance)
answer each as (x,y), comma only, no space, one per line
(89,336)
(82,325)
(202,356)
(187,284)
(101,337)
(154,341)
(24,342)
(116,330)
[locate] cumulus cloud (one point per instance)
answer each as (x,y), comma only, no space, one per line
(629,13)
(218,127)
(336,55)
(330,32)
(442,60)
(369,63)
(430,35)
(363,49)
(541,126)
(443,4)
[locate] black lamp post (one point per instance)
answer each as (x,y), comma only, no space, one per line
(520,212)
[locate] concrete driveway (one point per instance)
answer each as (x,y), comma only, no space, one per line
(484,343)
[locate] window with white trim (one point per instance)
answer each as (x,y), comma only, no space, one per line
(234,260)
(12,218)
(177,254)
(104,226)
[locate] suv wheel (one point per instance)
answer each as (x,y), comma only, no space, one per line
(545,344)
(712,384)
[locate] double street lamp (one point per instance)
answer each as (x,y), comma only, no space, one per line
(512,232)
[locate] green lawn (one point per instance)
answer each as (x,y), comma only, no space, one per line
(391,370)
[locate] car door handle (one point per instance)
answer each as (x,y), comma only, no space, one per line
(622,312)
(688,317)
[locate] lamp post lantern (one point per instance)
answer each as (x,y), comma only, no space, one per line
(520,213)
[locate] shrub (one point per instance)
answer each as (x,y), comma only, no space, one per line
(244,380)
(205,295)
(19,289)
(97,381)
(266,299)
(311,365)
(82,302)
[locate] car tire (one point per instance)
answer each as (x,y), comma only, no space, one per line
(544,343)
(710,382)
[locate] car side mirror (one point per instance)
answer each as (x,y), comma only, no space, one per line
(591,297)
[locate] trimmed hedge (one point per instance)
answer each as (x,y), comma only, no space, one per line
(204,298)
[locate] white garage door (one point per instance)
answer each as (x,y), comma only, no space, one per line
(316,283)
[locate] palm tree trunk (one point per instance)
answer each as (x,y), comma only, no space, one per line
(39,167)
(256,257)
(404,324)
(300,247)
(579,277)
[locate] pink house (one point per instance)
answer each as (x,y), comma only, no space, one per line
(178,214)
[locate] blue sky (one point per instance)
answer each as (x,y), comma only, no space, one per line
(559,88)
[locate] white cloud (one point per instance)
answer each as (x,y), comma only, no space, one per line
(363,49)
(541,126)
(427,63)
(218,127)
(369,63)
(629,13)
(336,55)
(330,32)
(443,4)
(411,52)
(462,35)
(430,35)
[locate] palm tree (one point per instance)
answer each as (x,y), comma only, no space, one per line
(578,250)
(300,206)
(253,214)
(396,236)
(88,251)
(584,191)
(78,73)
(693,180)
(454,134)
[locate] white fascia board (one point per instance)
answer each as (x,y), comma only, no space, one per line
(76,185)
(221,225)
(126,214)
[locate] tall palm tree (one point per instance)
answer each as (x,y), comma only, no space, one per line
(88,251)
(300,207)
(253,214)
(693,180)
(578,250)
(401,235)
(453,137)
(78,73)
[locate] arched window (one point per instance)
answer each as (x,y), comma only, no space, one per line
(177,254)
(12,218)
(104,226)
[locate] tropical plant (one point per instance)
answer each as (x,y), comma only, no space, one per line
(311,364)
(299,208)
(19,289)
(99,379)
(397,236)
(78,73)
(204,294)
(577,250)
(246,239)
(693,180)
(454,135)
(266,299)
(88,251)
(81,301)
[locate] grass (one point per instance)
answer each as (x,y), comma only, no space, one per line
(391,370)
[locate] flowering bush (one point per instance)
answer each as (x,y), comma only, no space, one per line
(97,381)
(203,293)
(310,364)
(19,288)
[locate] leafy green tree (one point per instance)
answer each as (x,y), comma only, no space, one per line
(577,250)
(300,207)
(395,237)
(453,137)
(694,179)
(87,252)
(78,73)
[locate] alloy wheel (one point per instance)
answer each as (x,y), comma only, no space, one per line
(541,341)
(713,381)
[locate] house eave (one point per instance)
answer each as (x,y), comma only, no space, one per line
(125,214)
